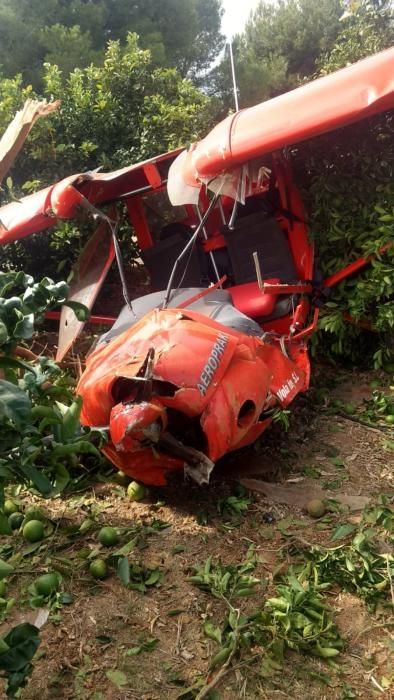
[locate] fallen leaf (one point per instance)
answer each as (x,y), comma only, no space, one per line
(116,677)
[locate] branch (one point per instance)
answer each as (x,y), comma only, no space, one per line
(18,131)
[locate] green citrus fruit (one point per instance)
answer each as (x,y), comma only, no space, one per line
(3,589)
(136,491)
(108,536)
(33,531)
(337,403)
(349,408)
(316,508)
(390,419)
(375,384)
(98,568)
(47,583)
(15,520)
(121,479)
(33,513)
(10,507)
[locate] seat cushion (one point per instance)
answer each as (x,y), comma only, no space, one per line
(161,258)
(263,235)
(248,299)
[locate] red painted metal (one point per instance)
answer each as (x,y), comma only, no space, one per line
(37,212)
(352,268)
(135,210)
(176,372)
(297,231)
(90,272)
(309,330)
(214,243)
(94,320)
(338,99)
(220,378)
(270,288)
(152,175)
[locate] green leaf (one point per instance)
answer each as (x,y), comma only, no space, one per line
(62,478)
(127,548)
(118,678)
(5,528)
(25,327)
(23,642)
(212,632)
(154,578)
(14,403)
(147,645)
(4,336)
(81,311)
(342,531)
(6,361)
(5,569)
(123,571)
(178,549)
(38,478)
(70,421)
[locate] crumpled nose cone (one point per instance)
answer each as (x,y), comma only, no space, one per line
(131,425)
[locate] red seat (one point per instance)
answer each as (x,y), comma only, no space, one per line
(251,301)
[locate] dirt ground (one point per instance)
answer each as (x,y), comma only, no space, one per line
(87,643)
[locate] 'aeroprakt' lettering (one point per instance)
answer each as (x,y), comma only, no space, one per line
(212,363)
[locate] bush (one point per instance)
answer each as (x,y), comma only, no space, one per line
(347,177)
(41,438)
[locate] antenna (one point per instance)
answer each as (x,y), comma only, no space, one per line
(233,75)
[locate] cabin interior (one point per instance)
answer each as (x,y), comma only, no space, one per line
(270,223)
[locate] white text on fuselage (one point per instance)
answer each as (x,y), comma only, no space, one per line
(288,386)
(212,363)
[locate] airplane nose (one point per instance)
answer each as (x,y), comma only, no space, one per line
(132,424)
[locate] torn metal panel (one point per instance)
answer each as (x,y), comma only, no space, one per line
(89,274)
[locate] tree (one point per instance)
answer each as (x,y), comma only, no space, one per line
(184,35)
(111,115)
(279,47)
(367,26)
(68,47)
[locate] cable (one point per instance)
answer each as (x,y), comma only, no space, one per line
(113,226)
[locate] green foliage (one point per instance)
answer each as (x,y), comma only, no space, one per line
(66,45)
(138,577)
(17,650)
(365,565)
(380,406)
(227,582)
(348,176)
(367,27)
(350,198)
(23,302)
(114,114)
(234,507)
(41,438)
(278,48)
(296,618)
(185,35)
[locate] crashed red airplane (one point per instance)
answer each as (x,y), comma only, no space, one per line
(195,370)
